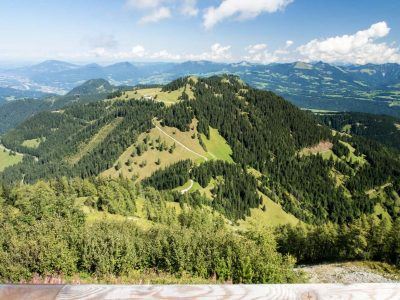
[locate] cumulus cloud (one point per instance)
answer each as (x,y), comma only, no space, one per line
(217,53)
(157,10)
(259,53)
(189,8)
(143,4)
(165,55)
(138,51)
(220,52)
(252,49)
(156,15)
(242,10)
(359,48)
(288,44)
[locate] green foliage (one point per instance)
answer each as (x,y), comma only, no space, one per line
(365,238)
(170,177)
(376,127)
(45,234)
(264,132)
(117,198)
(66,133)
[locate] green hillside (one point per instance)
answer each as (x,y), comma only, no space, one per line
(228,161)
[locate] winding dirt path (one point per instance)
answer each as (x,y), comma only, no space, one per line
(179,143)
(188,188)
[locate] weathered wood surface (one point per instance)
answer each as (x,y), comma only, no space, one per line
(280,291)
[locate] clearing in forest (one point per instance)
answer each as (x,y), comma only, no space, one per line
(159,148)
(217,146)
(7,159)
(268,214)
(33,143)
(323,146)
(156,94)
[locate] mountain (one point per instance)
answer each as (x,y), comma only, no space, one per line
(369,88)
(93,86)
(91,139)
(202,179)
(15,112)
(48,66)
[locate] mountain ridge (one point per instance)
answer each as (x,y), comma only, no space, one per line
(364,88)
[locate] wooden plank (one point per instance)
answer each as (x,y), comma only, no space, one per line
(29,292)
(278,291)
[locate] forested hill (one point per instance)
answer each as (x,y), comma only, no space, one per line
(14,112)
(273,149)
(142,184)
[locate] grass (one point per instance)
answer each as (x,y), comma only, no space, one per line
(7,160)
(195,187)
(321,148)
(346,128)
(151,156)
(380,211)
(352,157)
(33,143)
(217,146)
(168,98)
(94,215)
(94,141)
(273,216)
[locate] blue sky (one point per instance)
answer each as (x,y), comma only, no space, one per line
(340,31)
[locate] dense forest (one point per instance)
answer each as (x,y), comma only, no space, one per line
(381,128)
(331,181)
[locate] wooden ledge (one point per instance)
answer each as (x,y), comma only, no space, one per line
(262,291)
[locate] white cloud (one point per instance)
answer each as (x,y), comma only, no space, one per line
(165,55)
(189,8)
(288,43)
(259,53)
(156,15)
(217,52)
(251,49)
(143,4)
(138,51)
(242,9)
(357,48)
(157,10)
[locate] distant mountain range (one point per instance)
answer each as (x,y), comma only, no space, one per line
(14,112)
(368,88)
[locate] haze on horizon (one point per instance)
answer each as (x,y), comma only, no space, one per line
(262,31)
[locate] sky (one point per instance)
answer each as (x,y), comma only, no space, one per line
(260,31)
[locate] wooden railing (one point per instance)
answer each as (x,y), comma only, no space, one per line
(279,291)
